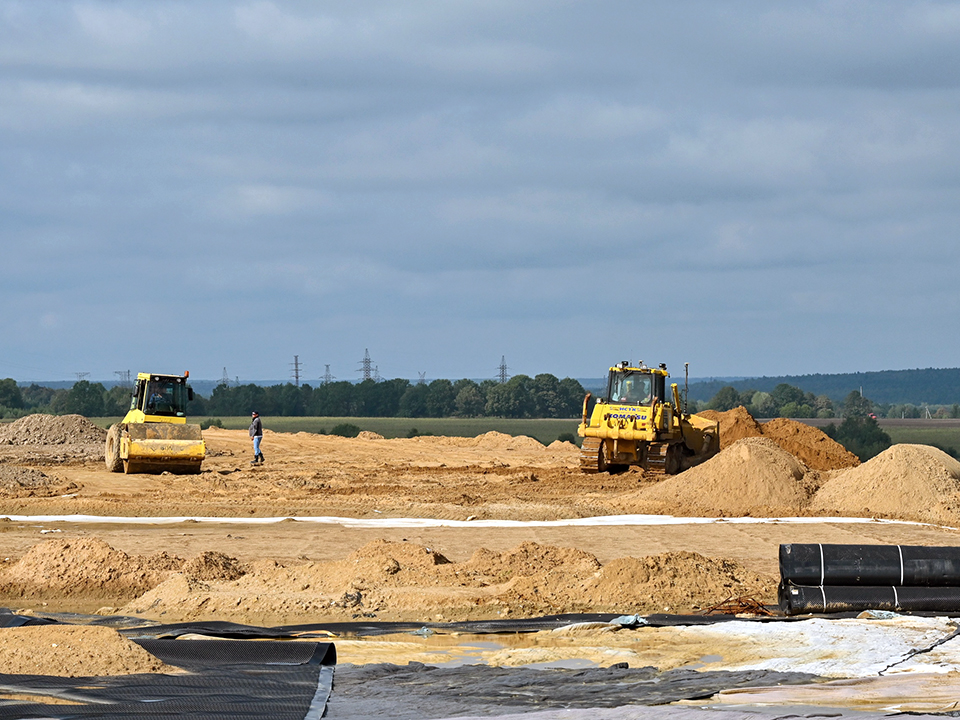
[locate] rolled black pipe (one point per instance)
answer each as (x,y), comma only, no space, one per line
(797,599)
(901,565)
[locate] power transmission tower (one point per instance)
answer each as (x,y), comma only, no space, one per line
(82,376)
(225,379)
(123,377)
(367,369)
(502,374)
(296,370)
(423,378)
(327,377)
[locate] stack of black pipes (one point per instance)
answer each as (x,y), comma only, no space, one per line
(818,578)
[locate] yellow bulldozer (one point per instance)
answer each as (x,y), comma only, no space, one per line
(155,436)
(635,423)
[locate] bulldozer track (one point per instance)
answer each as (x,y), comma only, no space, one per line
(656,458)
(590,455)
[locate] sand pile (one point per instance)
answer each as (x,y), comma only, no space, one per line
(369,435)
(735,424)
(489,441)
(811,445)
(89,568)
(911,482)
(21,482)
(52,430)
(74,651)
(494,440)
(680,579)
(395,581)
(211,565)
(754,476)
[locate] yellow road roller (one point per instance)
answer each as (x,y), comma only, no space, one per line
(154,436)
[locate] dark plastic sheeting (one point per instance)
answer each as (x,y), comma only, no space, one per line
(872,565)
(229,679)
(796,599)
(419,692)
(10,619)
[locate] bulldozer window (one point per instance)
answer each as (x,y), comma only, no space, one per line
(633,389)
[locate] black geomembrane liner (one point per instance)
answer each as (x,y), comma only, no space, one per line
(228,679)
(873,565)
(796,599)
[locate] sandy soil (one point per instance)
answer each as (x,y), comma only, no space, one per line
(296,572)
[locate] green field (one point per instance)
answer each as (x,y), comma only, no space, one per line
(941,437)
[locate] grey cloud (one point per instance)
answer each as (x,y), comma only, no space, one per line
(473,178)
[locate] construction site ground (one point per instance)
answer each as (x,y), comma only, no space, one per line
(438,529)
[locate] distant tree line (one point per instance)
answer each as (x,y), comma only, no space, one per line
(521,396)
(542,396)
(783,401)
(929,386)
(84,398)
(788,401)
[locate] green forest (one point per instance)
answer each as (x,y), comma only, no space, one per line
(789,401)
(930,386)
(542,396)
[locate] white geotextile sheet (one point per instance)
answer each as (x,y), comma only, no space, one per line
(673,712)
(911,692)
(840,648)
(389,522)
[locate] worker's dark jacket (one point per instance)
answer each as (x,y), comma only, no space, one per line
(256,427)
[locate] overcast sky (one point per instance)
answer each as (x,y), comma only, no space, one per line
(757,188)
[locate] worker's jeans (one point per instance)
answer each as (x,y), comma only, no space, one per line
(256,444)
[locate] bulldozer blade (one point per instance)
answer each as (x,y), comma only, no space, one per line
(156,447)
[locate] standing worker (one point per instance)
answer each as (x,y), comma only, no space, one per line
(256,432)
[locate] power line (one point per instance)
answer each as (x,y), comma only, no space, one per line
(123,377)
(327,378)
(82,376)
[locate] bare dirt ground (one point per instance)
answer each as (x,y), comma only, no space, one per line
(305,571)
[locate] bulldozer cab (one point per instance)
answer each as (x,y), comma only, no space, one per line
(635,386)
(161,396)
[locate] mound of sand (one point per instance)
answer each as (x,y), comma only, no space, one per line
(735,425)
(492,441)
(910,482)
(211,565)
(52,430)
(754,476)
(680,579)
(811,445)
(391,580)
(90,569)
(84,566)
(369,435)
(530,560)
(74,651)
(20,482)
